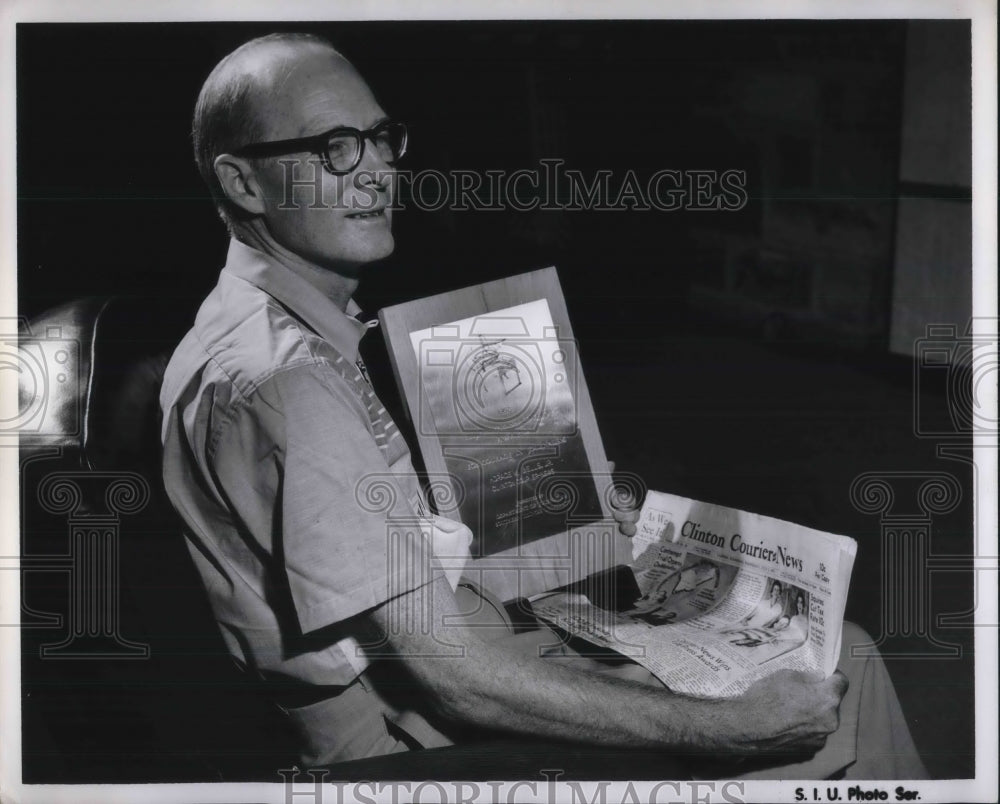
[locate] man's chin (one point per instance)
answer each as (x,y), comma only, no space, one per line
(378,254)
(371,257)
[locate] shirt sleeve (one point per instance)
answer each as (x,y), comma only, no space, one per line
(342,531)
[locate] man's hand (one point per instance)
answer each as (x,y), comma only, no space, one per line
(626,517)
(626,511)
(789,711)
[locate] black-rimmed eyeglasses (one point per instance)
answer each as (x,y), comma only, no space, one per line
(341,149)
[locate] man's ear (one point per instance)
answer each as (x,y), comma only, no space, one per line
(239,183)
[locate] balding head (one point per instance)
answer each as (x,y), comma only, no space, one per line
(228,112)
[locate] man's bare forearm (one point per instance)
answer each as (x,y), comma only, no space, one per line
(494,687)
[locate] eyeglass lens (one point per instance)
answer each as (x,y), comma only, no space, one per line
(344,149)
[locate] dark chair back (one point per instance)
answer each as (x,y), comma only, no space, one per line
(125,676)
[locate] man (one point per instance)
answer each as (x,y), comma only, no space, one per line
(270,433)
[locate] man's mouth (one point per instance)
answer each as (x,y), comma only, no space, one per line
(374,213)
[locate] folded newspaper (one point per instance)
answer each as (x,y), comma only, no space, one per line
(727,598)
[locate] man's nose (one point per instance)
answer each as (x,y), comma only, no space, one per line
(375,173)
(373,161)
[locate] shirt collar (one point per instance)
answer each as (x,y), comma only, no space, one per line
(342,330)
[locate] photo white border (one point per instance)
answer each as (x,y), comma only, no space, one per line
(984,188)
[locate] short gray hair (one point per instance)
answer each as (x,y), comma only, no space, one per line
(225,117)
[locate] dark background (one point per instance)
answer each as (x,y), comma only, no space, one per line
(738,357)
(106,171)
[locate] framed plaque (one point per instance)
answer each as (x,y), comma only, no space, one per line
(492,378)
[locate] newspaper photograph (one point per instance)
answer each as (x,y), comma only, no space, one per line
(727,598)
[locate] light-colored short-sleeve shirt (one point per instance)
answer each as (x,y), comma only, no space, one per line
(295,487)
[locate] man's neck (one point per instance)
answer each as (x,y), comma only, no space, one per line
(337,287)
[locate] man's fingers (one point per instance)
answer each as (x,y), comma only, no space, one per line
(838,684)
(834,688)
(835,685)
(626,514)
(796,710)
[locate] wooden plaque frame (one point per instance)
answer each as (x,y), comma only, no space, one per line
(531,566)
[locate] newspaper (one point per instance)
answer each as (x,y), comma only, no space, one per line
(727,598)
